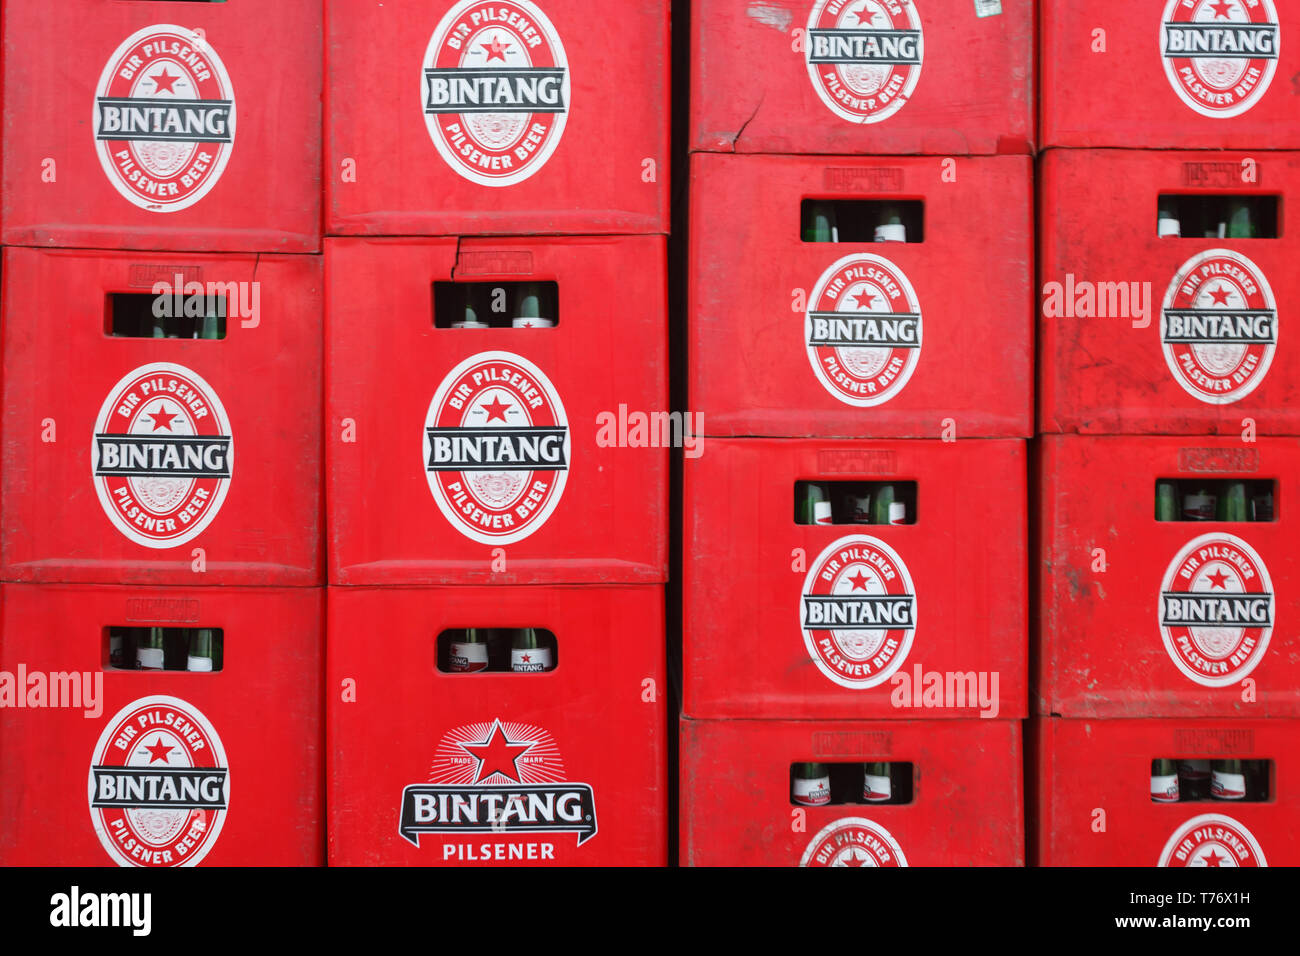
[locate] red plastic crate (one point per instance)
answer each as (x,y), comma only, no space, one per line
(1105,369)
(1137,92)
(583,743)
(253,501)
(755,369)
(751,574)
(1096,773)
(949,77)
(1104,649)
(239,169)
(591,157)
(251,730)
(603,512)
(966,807)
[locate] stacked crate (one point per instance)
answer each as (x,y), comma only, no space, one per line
(830,377)
(161,435)
(1168,408)
(434,209)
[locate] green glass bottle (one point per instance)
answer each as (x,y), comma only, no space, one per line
(1166,501)
(150,650)
(473,316)
(201,652)
(888,505)
(468,654)
(814,505)
(528,654)
(1164,781)
(811,786)
(1233,503)
(877,783)
(890,227)
(1227,780)
(1241,220)
(819,223)
(528,313)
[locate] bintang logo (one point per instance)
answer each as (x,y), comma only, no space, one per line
(862,330)
(853,841)
(858,612)
(159,786)
(495,87)
(1216,609)
(496,447)
(164,118)
(498,777)
(1220,55)
(1218,326)
(864,56)
(1212,840)
(162,455)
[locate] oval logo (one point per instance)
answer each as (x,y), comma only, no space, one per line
(495,88)
(159,784)
(162,455)
(496,447)
(1212,840)
(1218,326)
(1220,55)
(853,841)
(858,611)
(862,330)
(1216,609)
(864,56)
(164,119)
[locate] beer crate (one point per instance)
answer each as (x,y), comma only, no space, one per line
(786,349)
(1092,796)
(133,459)
(947,77)
(1141,617)
(956,793)
(433,766)
(163,125)
(582,403)
(101,763)
(576,140)
(763,589)
(1117,73)
(1143,333)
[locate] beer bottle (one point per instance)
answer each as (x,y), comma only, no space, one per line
(1262,501)
(471,318)
(117,649)
(528,314)
(150,652)
(1164,781)
(814,505)
(1166,501)
(857,507)
(210,326)
(1227,780)
(891,228)
(159,327)
(200,657)
(1241,224)
(469,654)
(819,223)
(1194,779)
(877,783)
(1167,222)
(1233,505)
(1198,502)
(812,785)
(527,653)
(888,506)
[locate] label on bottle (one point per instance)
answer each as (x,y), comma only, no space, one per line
(891,232)
(467,658)
(1198,507)
(149,658)
(467,324)
(1164,788)
(988,8)
(822,512)
(532,323)
(814,792)
(860,509)
(876,789)
(1227,786)
(193,663)
(1168,227)
(897,512)
(529,660)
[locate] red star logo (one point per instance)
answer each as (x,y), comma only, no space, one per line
(496,49)
(1213,859)
(526,658)
(164,81)
(864,299)
(1219,580)
(1219,295)
(859,581)
(161,418)
(1222,9)
(159,751)
(864,17)
(497,409)
(497,754)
